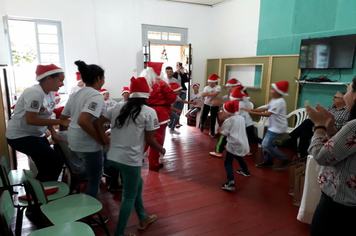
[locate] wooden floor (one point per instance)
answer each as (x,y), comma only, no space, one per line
(186,195)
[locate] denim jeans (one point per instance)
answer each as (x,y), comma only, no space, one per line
(131,195)
(180,105)
(174,120)
(269,149)
(93,163)
(228,165)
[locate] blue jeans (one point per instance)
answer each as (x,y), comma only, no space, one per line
(131,195)
(269,149)
(93,163)
(180,105)
(174,120)
(228,165)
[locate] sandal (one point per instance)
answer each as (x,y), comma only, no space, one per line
(146,222)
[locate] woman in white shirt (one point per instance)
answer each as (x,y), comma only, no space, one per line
(132,124)
(83,107)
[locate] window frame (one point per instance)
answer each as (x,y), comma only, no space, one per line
(168,29)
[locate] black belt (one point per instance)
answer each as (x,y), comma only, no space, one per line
(163,105)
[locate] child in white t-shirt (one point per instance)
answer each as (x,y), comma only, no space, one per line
(276,110)
(195,96)
(80,84)
(125,93)
(237,144)
(109,103)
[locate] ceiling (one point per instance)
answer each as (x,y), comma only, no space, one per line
(200,2)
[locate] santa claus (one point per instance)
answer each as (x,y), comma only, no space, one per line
(160,99)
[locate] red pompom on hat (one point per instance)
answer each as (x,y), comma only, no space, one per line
(213,78)
(281,87)
(175,86)
(57,96)
(233,82)
(231,107)
(238,94)
(196,84)
(125,90)
(79,77)
(156,66)
(103,91)
(45,70)
(139,88)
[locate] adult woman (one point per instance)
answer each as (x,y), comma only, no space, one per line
(32,117)
(336,153)
(132,123)
(84,106)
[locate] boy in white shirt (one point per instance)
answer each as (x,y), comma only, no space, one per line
(109,103)
(237,143)
(276,110)
(125,93)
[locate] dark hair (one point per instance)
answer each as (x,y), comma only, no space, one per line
(169,68)
(353,108)
(342,92)
(131,109)
(89,73)
(52,76)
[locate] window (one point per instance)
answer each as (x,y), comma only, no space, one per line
(164,35)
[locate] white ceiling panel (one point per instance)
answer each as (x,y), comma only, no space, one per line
(199,2)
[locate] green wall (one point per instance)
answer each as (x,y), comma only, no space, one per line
(283,23)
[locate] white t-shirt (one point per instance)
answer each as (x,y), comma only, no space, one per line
(235,130)
(208,99)
(196,98)
(278,120)
(245,103)
(74,89)
(33,99)
(173,80)
(110,104)
(127,142)
(86,100)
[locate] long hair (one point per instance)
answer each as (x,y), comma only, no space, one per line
(131,110)
(353,108)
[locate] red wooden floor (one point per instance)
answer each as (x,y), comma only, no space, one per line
(188,200)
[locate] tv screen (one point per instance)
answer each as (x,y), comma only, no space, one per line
(335,52)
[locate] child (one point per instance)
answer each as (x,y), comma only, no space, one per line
(109,103)
(79,85)
(125,93)
(237,144)
(125,154)
(195,96)
(276,110)
(174,116)
(210,93)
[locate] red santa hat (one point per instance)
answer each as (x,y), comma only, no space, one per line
(213,78)
(196,84)
(103,91)
(238,94)
(281,87)
(139,88)
(156,66)
(58,111)
(175,86)
(57,96)
(79,77)
(233,82)
(231,107)
(45,70)
(125,90)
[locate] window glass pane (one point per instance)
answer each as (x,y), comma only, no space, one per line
(45,38)
(47,29)
(50,58)
(154,35)
(164,35)
(49,48)
(174,37)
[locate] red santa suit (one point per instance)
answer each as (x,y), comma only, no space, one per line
(160,99)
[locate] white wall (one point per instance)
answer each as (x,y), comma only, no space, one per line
(108,32)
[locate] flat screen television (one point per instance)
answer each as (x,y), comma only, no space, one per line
(336,52)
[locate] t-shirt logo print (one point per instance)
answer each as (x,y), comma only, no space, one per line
(155,122)
(35,104)
(92,106)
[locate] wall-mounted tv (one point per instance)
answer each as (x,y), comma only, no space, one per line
(336,52)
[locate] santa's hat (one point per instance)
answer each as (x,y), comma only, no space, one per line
(57,96)
(42,71)
(213,78)
(79,77)
(125,90)
(231,107)
(238,94)
(196,84)
(103,91)
(156,66)
(139,88)
(233,82)
(175,86)
(281,87)
(58,111)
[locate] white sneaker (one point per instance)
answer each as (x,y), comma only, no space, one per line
(174,132)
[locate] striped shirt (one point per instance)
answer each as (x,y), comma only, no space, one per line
(337,156)
(341,116)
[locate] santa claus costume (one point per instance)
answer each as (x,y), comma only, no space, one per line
(160,99)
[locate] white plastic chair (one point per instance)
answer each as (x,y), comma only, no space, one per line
(301,115)
(261,124)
